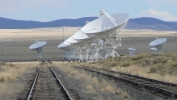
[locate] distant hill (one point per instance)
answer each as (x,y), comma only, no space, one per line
(20,24)
(151,23)
(136,23)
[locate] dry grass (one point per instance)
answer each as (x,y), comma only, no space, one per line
(92,83)
(12,80)
(161,66)
(90,88)
(126,95)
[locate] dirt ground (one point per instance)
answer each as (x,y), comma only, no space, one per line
(14,43)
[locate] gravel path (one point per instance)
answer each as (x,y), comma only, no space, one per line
(47,87)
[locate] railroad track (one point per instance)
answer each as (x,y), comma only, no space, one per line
(159,88)
(47,86)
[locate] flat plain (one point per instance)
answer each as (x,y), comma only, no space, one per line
(14,43)
(14,46)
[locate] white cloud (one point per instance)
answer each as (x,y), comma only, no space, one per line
(158,14)
(161,3)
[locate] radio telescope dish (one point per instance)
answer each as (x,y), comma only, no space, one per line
(105,28)
(157,44)
(105,24)
(131,51)
(154,49)
(62,45)
(37,46)
(79,35)
(80,38)
(157,41)
(69,41)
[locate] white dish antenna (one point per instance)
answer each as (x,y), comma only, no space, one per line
(157,44)
(81,38)
(65,46)
(62,45)
(154,49)
(105,23)
(66,43)
(70,41)
(37,46)
(131,51)
(79,35)
(106,28)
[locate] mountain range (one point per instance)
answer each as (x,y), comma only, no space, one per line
(135,23)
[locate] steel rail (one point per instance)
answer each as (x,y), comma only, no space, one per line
(69,96)
(138,84)
(140,77)
(34,83)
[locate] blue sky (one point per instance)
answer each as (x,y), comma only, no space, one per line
(48,10)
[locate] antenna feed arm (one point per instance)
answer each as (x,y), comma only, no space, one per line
(107,15)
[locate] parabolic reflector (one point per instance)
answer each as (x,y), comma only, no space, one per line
(70,40)
(132,49)
(105,28)
(154,49)
(103,23)
(157,42)
(79,35)
(62,45)
(66,43)
(37,45)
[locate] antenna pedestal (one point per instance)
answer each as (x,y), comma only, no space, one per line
(78,53)
(94,56)
(111,52)
(131,52)
(158,48)
(39,53)
(85,52)
(94,52)
(66,54)
(85,55)
(111,44)
(73,54)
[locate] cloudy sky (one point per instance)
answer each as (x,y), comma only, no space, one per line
(48,10)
